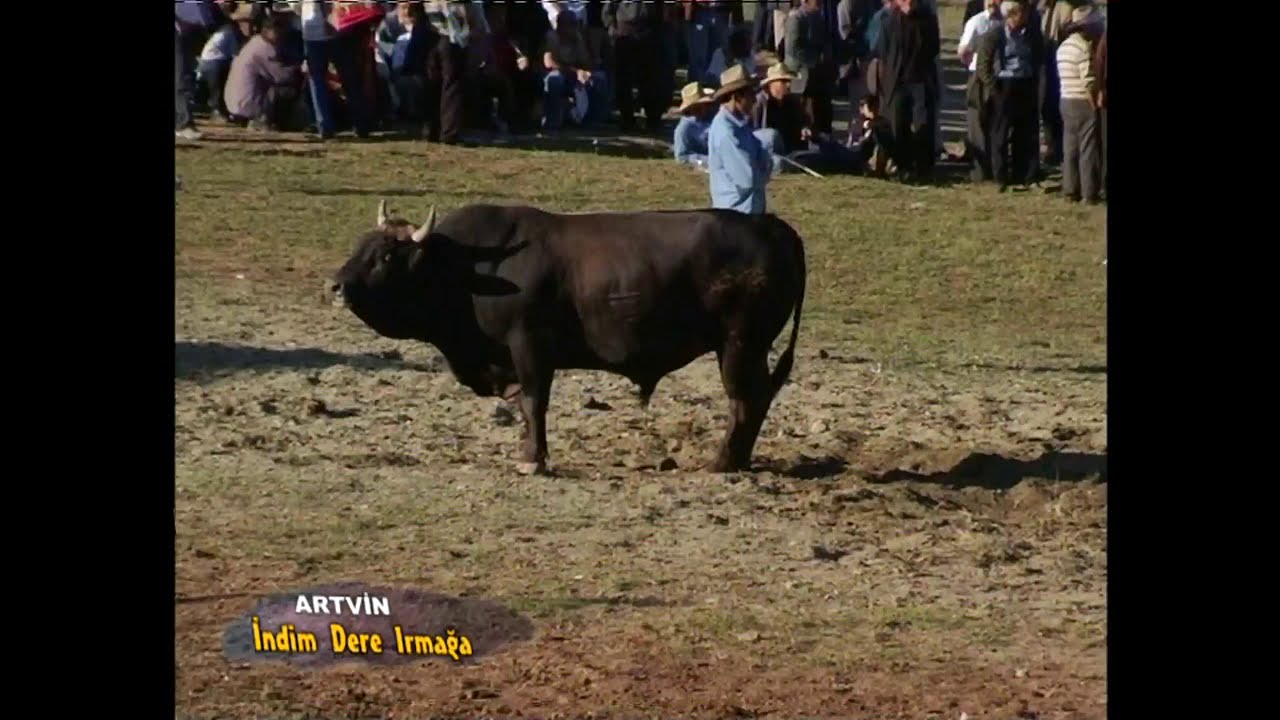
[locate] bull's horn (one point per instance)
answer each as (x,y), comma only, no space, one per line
(382,213)
(421,233)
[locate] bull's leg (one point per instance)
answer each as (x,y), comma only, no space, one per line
(746,380)
(535,376)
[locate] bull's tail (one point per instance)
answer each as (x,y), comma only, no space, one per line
(783,370)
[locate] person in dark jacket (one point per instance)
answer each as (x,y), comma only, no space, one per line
(640,31)
(852,52)
(908,48)
(1009,59)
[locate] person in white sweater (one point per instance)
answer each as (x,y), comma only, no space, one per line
(1082,147)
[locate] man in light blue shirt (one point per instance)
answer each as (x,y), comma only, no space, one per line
(739,164)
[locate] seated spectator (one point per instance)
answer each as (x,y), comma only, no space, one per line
(783,112)
(697,108)
(486,86)
(215,59)
(873,134)
(740,54)
(261,90)
(568,60)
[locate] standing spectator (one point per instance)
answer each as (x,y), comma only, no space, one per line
(708,24)
(570,72)
(808,53)
(321,46)
(215,59)
(1082,159)
(768,30)
(1008,59)
(447,66)
(697,108)
(909,43)
(184,126)
(1100,77)
(1054,17)
(978,108)
(577,8)
(262,90)
(739,164)
(738,53)
(641,31)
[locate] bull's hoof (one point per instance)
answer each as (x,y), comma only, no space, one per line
(532,468)
(721,465)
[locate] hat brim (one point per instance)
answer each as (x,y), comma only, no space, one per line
(777,78)
(731,88)
(691,104)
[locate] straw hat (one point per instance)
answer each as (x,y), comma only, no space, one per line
(243,13)
(766,58)
(776,73)
(694,94)
(732,80)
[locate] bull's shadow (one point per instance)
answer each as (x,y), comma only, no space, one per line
(996,472)
(202,360)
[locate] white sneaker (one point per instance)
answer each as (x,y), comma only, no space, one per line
(188,133)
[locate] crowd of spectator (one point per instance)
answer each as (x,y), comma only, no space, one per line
(437,69)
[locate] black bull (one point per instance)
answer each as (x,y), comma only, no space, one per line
(509,295)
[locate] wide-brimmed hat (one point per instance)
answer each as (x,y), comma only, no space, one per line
(776,73)
(766,58)
(732,80)
(695,94)
(242,13)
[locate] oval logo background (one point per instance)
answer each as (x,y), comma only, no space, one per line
(485,624)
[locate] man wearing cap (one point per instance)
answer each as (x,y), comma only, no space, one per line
(1082,159)
(1007,74)
(978,109)
(261,89)
(739,164)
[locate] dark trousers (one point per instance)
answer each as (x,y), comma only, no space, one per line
(911,119)
(978,142)
(1050,113)
(1013,131)
(1082,150)
(412,90)
(446,103)
(639,64)
(340,53)
(817,97)
(181,86)
(213,76)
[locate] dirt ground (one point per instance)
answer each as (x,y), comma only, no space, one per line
(918,544)
(925,535)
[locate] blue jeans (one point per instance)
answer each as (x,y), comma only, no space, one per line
(555,89)
(708,30)
(319,54)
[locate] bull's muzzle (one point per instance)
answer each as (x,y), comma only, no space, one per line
(334,293)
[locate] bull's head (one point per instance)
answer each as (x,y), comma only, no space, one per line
(381,282)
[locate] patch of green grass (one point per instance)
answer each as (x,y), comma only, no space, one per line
(938,276)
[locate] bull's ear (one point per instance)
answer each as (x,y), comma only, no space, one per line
(382,213)
(421,233)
